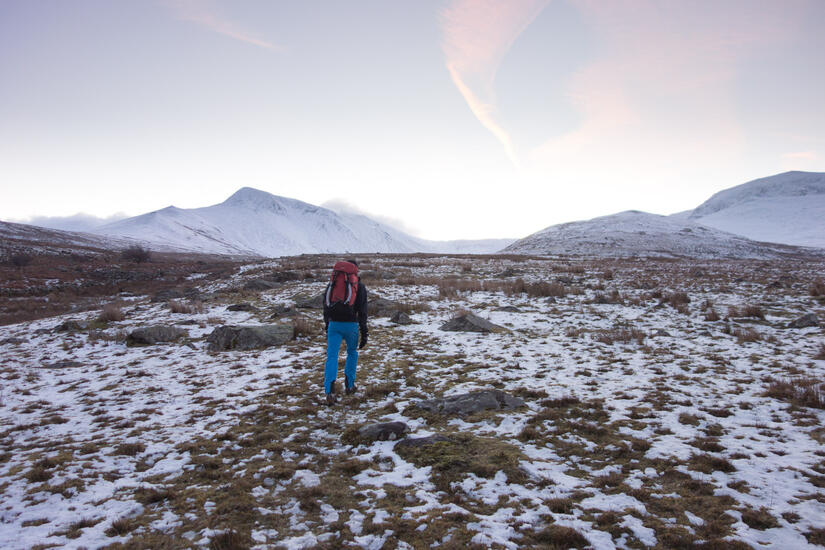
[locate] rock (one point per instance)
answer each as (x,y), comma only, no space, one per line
(12,341)
(662,332)
(422,441)
(469,322)
(283,276)
(381,307)
(509,309)
(250,337)
(385,431)
(260,284)
(242,307)
(385,275)
(155,335)
(510,272)
(311,302)
(63,364)
(805,321)
(67,326)
(473,402)
(282,311)
(167,294)
(401,318)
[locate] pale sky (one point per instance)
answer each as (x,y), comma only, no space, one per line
(459,118)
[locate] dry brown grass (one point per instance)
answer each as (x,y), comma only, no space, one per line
(179,306)
(817,288)
(801,392)
(111,312)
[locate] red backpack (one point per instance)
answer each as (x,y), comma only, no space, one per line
(343,285)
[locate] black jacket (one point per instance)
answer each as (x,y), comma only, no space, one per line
(358,313)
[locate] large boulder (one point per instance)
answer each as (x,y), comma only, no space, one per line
(401,318)
(469,322)
(310,302)
(473,402)
(382,307)
(250,337)
(805,321)
(384,431)
(155,335)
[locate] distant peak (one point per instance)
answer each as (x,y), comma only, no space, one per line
(255,199)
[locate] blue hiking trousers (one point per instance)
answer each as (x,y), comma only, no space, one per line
(336,332)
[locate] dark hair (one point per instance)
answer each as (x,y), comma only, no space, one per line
(353,262)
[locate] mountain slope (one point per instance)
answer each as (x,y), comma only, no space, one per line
(786,208)
(253,222)
(18,238)
(634,233)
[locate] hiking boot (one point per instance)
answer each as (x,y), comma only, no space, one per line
(331,399)
(351,389)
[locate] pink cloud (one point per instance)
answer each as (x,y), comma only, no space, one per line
(477,34)
(661,90)
(204,14)
(800,155)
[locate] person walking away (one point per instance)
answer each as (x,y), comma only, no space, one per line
(345,318)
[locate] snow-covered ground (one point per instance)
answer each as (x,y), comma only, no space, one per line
(646,421)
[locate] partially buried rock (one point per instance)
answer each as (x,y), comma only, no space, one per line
(401,318)
(509,309)
(805,321)
(260,284)
(382,307)
(415,442)
(167,294)
(154,335)
(241,307)
(473,402)
(250,337)
(71,326)
(469,322)
(310,302)
(385,431)
(63,364)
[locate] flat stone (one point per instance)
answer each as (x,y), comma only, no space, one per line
(155,335)
(260,284)
(167,294)
(71,326)
(422,441)
(382,307)
(509,309)
(473,402)
(63,364)
(805,321)
(401,318)
(241,307)
(250,337)
(310,302)
(470,322)
(384,431)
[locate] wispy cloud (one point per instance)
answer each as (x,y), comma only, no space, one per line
(477,34)
(662,89)
(204,13)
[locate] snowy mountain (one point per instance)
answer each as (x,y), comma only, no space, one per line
(253,222)
(786,208)
(18,238)
(634,233)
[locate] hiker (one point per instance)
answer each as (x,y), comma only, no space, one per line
(345,317)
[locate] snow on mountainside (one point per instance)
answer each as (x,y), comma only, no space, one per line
(253,222)
(18,238)
(786,208)
(634,233)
